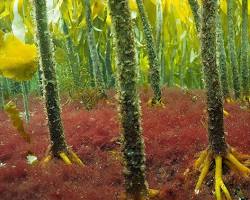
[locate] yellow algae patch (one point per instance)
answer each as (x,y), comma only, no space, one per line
(18,60)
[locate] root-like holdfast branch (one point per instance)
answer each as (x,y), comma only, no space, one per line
(233,159)
(155,103)
(68,157)
(246,101)
(151,194)
(229,100)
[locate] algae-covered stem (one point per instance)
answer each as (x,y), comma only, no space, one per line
(244,50)
(218,150)
(72,56)
(231,48)
(221,56)
(108,55)
(58,147)
(154,65)
(51,94)
(159,30)
(220,47)
(194,5)
(133,145)
(99,82)
(214,96)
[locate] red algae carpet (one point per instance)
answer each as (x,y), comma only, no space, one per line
(173,135)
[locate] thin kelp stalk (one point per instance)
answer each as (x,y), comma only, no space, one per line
(164,57)
(159,42)
(194,5)
(231,48)
(154,65)
(72,56)
(221,57)
(58,147)
(104,69)
(244,50)
(25,93)
(133,144)
(91,70)
(183,62)
(218,151)
(99,82)
(108,62)
(1,94)
(163,67)
(159,22)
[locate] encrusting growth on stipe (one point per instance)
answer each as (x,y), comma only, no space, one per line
(58,148)
(231,48)
(244,53)
(218,151)
(152,56)
(129,104)
(72,55)
(194,5)
(221,57)
(96,64)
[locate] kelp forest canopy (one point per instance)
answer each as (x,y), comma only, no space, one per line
(173,28)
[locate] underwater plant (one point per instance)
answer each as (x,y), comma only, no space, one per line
(133,145)
(96,64)
(232,49)
(244,51)
(72,56)
(153,153)
(221,56)
(129,104)
(58,148)
(220,47)
(152,56)
(218,150)
(108,61)
(194,5)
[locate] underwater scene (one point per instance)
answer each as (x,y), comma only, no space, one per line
(124,100)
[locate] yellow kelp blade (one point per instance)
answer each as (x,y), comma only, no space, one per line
(132,5)
(11,109)
(18,61)
(97,8)
(20,7)
(1,38)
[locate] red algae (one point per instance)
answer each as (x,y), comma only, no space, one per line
(173,135)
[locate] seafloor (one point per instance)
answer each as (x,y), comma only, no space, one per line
(173,137)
